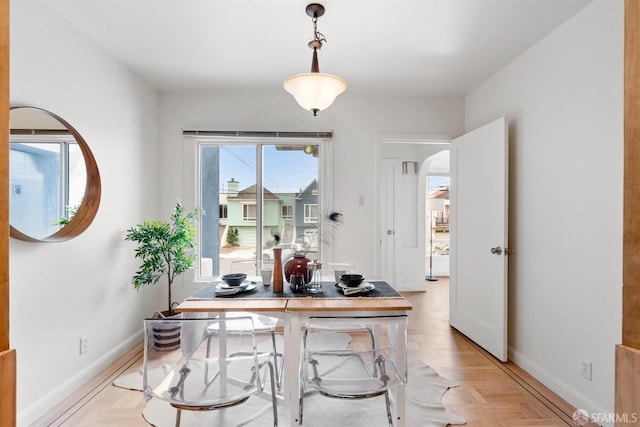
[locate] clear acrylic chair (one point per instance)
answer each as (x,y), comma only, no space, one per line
(207,371)
(263,325)
(373,363)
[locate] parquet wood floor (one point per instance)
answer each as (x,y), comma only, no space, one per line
(491,394)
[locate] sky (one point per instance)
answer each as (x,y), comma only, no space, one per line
(438,181)
(284,171)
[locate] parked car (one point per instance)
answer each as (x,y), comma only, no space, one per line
(441,249)
(288,249)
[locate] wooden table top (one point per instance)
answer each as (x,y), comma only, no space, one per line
(236,304)
(296,304)
(348,304)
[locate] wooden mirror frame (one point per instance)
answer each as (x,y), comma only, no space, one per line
(90,201)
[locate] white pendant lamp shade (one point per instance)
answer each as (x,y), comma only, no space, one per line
(315,91)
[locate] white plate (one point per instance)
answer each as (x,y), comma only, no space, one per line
(355,290)
(251,286)
(362,285)
(244,286)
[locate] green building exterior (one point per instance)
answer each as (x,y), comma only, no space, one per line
(278,214)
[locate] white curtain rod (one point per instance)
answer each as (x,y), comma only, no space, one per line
(259,134)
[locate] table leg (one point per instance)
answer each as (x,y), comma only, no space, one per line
(401,345)
(223,353)
(292,344)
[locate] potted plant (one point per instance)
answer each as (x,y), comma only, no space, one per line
(165,248)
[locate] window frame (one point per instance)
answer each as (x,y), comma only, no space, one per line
(194,141)
(246,208)
(289,215)
(308,218)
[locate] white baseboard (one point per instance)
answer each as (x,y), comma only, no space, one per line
(555,384)
(30,415)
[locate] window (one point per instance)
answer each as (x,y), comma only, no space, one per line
(287,212)
(249,212)
(261,186)
(48,180)
(310,214)
(438,221)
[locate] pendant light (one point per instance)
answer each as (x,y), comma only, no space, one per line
(315,91)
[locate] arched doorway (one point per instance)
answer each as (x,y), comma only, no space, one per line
(435,187)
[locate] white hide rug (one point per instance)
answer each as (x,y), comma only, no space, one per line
(424,392)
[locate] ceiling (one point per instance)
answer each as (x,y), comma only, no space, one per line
(402,47)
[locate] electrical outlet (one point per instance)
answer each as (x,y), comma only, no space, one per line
(84,344)
(585,371)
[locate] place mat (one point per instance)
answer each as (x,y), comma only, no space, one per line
(329,290)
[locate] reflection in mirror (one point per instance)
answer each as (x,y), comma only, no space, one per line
(52,171)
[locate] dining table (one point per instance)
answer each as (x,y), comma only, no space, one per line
(293,309)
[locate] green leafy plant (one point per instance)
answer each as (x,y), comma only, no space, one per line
(165,248)
(71,211)
(233,236)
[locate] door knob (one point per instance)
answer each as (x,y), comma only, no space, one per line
(389,232)
(497,250)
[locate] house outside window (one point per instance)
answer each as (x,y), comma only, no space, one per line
(287,212)
(223,211)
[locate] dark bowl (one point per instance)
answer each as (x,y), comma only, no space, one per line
(234,279)
(352,280)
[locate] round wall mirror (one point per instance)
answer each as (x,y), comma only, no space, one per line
(54,184)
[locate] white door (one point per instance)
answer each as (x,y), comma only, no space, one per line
(478,277)
(387,221)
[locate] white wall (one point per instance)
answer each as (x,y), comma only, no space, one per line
(564,102)
(355,120)
(62,291)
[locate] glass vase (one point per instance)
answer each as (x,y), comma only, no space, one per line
(297,265)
